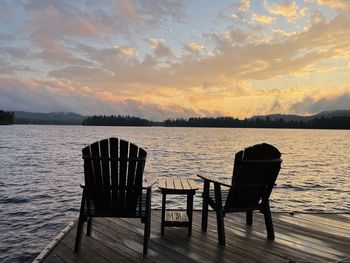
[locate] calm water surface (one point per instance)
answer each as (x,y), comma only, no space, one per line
(41,168)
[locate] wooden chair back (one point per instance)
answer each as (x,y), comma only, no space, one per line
(113,171)
(254,174)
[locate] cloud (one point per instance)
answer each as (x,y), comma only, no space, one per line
(115,55)
(234,58)
(52,29)
(263,19)
(311,105)
(244,6)
(159,47)
(337,4)
(59,95)
(288,9)
(126,51)
(194,48)
(56,20)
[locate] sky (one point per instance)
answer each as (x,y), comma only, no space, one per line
(160,59)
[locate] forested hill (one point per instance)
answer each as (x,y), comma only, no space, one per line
(113,120)
(335,122)
(66,118)
(6,117)
(339,119)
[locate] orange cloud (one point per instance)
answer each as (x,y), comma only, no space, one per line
(337,4)
(244,5)
(288,9)
(263,19)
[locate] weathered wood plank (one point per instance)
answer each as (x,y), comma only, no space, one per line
(309,241)
(161,183)
(176,216)
(54,258)
(345,218)
(193,184)
(185,184)
(202,250)
(177,184)
(297,238)
(315,227)
(329,222)
(236,252)
(111,247)
(86,252)
(122,230)
(254,238)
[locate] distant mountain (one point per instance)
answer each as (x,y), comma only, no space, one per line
(67,118)
(335,113)
(285,117)
(291,117)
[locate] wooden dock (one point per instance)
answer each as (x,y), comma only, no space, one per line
(299,238)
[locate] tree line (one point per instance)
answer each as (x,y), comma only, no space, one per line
(336,122)
(6,117)
(112,120)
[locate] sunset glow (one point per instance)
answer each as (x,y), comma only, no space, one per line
(163,59)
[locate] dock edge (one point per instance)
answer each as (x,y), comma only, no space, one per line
(53,243)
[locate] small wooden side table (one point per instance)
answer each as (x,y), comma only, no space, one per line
(177,217)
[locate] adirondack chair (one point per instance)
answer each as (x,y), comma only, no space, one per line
(113,171)
(254,174)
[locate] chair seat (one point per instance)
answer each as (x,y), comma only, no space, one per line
(224,194)
(139,213)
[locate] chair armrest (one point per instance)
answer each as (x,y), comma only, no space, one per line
(148,184)
(212,180)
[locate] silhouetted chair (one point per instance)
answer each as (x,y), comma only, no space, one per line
(113,171)
(254,174)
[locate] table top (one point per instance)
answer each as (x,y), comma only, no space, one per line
(178,184)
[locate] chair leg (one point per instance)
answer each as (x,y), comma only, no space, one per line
(219,215)
(89,225)
(205,206)
(146,236)
(149,223)
(221,227)
(249,218)
(147,230)
(163,213)
(269,225)
(80,224)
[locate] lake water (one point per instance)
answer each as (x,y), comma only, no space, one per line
(41,169)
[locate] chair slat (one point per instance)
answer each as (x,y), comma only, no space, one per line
(124,148)
(130,186)
(114,146)
(88,168)
(98,195)
(104,152)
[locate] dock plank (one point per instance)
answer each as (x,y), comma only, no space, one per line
(299,237)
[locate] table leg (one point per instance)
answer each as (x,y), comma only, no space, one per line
(163,213)
(190,212)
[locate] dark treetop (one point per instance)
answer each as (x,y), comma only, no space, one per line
(6,117)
